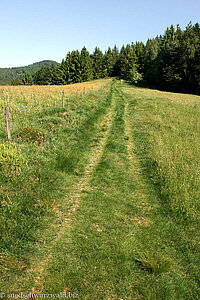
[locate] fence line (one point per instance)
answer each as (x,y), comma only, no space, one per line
(7,114)
(17,115)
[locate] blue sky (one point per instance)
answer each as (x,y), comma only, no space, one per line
(35,30)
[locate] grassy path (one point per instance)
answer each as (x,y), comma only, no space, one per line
(77,183)
(78,189)
(92,251)
(117,241)
(98,257)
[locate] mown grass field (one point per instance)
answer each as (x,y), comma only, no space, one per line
(104,205)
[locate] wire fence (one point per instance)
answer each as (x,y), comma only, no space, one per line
(23,106)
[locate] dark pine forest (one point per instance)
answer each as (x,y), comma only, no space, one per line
(169,62)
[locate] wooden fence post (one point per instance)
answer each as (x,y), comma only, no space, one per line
(7,122)
(63,99)
(84,91)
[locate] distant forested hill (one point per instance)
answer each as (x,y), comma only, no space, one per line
(7,74)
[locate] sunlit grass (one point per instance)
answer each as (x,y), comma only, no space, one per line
(54,144)
(106,229)
(167,132)
(26,102)
(122,243)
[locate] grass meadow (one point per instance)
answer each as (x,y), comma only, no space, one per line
(46,155)
(26,102)
(100,198)
(166,130)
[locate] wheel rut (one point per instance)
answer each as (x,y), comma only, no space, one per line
(141,188)
(35,273)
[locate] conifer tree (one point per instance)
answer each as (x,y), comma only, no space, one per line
(151,51)
(115,54)
(97,59)
(27,79)
(53,71)
(108,63)
(127,63)
(86,65)
(61,73)
(42,76)
(75,67)
(191,55)
(67,68)
(139,52)
(168,60)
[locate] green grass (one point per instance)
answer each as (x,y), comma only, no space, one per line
(166,134)
(122,244)
(32,202)
(115,228)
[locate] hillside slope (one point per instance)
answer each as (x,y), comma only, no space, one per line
(7,74)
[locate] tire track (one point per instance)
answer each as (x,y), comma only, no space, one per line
(83,184)
(141,190)
(36,272)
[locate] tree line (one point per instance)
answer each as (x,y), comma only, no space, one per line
(170,61)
